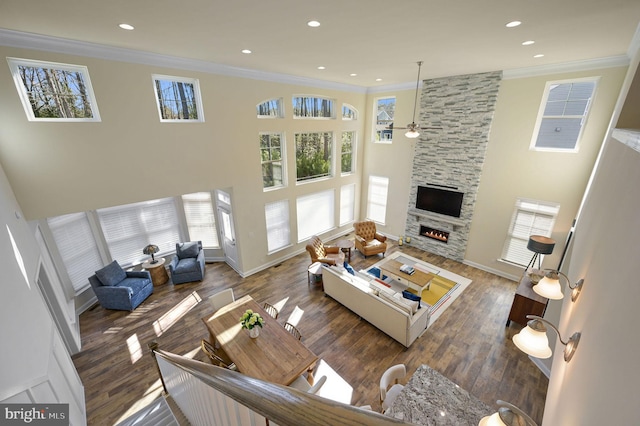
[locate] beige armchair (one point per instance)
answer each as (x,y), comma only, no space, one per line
(368,240)
(325,254)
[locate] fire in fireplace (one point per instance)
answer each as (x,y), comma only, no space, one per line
(435,234)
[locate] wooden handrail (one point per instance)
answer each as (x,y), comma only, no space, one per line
(280,404)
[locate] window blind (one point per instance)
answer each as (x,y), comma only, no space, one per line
(347,203)
(377,198)
(128,229)
(529,218)
(278,227)
(201,221)
(315,214)
(77,247)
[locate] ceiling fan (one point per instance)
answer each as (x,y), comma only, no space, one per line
(412,129)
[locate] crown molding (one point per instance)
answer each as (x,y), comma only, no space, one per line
(23,40)
(587,64)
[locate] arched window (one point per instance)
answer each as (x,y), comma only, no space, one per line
(313,107)
(349,112)
(271,108)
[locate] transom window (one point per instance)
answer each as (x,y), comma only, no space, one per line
(51,91)
(271,108)
(178,99)
(562,115)
(313,155)
(271,153)
(349,112)
(385,109)
(530,217)
(313,107)
(347,157)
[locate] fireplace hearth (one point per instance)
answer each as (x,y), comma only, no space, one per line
(435,234)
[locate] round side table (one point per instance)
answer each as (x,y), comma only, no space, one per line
(157,270)
(346,246)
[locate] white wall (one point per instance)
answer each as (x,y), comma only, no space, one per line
(34,364)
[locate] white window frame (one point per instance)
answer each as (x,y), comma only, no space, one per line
(315,214)
(330,174)
(274,112)
(378,129)
(377,195)
(196,95)
(543,106)
(200,216)
(352,113)
(282,161)
(530,217)
(354,140)
(278,225)
(16,63)
(347,204)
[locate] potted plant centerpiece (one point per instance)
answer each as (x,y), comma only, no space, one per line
(253,322)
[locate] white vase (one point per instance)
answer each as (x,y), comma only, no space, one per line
(254,332)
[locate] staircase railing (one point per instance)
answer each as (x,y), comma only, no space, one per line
(209,395)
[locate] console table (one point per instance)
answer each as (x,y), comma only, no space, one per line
(431,399)
(526,302)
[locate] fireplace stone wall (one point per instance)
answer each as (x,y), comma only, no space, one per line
(452,156)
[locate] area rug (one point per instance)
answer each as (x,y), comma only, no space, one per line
(444,289)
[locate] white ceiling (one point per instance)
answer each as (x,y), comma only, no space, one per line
(372,38)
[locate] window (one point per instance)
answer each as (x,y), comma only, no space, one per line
(128,229)
(313,107)
(346,163)
(562,115)
(315,214)
(77,247)
(377,198)
(54,92)
(178,99)
(278,228)
(385,109)
(201,221)
(313,155)
(349,112)
(271,109)
(347,203)
(529,218)
(271,151)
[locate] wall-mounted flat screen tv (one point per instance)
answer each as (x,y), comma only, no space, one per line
(438,200)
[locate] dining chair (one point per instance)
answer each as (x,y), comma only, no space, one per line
(301,383)
(391,377)
(295,316)
(216,356)
(271,310)
(293,330)
(222,298)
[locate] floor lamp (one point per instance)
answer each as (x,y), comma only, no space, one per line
(539,244)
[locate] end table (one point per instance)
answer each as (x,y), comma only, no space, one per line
(157,270)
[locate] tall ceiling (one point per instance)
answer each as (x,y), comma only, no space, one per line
(374,39)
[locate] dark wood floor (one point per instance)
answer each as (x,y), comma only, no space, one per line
(469,343)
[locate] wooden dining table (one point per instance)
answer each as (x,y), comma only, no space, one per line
(275,355)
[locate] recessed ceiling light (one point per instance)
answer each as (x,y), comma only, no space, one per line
(313,24)
(126,27)
(321,67)
(528,43)
(246,51)
(513,24)
(353,74)
(378,79)
(539,55)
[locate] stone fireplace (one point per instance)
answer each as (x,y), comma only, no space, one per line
(451,157)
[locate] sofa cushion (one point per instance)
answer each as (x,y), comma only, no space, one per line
(111,274)
(414,297)
(397,302)
(186,250)
(415,304)
(186,265)
(135,285)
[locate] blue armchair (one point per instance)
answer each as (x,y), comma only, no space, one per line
(188,263)
(118,289)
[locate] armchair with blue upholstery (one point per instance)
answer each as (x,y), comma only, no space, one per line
(118,289)
(188,263)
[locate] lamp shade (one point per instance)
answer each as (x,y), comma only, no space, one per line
(412,134)
(150,249)
(541,244)
(549,287)
(492,420)
(532,342)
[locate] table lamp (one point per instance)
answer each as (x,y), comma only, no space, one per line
(151,249)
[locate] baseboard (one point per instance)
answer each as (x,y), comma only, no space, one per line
(86,305)
(493,271)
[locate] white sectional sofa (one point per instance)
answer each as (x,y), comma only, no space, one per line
(376,303)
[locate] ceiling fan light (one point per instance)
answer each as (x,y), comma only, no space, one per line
(412,134)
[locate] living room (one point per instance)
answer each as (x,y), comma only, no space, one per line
(33,166)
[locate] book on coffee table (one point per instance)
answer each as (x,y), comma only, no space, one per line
(407,269)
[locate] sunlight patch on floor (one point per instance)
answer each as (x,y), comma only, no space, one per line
(174,314)
(150,395)
(113,330)
(135,350)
